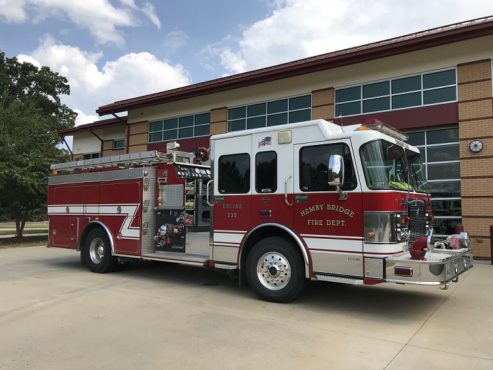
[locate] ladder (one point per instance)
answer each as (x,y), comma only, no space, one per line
(126,160)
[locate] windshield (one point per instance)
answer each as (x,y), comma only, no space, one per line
(386,167)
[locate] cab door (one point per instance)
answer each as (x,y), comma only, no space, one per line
(232,197)
(272,186)
(329,221)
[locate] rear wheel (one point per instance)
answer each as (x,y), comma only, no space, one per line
(97,252)
(275,270)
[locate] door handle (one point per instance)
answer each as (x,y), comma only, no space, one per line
(286,191)
(265,212)
(207,193)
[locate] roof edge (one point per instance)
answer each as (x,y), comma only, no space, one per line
(398,45)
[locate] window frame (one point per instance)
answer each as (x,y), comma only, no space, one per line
(115,141)
(274,188)
(423,147)
(301,176)
(176,131)
(219,177)
(237,117)
(391,94)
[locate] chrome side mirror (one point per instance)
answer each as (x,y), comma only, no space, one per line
(335,174)
(336,170)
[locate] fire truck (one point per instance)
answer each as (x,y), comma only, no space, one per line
(275,206)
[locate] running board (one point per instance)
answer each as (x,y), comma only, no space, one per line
(173,257)
(338,279)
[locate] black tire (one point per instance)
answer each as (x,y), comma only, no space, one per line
(275,270)
(97,252)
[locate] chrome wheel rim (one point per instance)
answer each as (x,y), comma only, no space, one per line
(96,250)
(273,271)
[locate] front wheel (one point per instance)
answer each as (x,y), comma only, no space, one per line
(97,252)
(275,270)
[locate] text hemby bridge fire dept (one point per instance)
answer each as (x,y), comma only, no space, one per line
(276,205)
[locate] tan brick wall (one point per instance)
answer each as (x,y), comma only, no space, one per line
(475,90)
(137,148)
(474,71)
(478,227)
(475,109)
(110,152)
(477,187)
(487,148)
(139,128)
(138,135)
(478,167)
(322,97)
(108,145)
(138,139)
(481,247)
(323,104)
(477,206)
(323,112)
(219,121)
(476,128)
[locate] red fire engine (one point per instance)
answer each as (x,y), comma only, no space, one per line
(279,205)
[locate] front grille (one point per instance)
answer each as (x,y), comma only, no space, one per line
(417,219)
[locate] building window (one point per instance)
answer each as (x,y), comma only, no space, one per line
(118,144)
(314,170)
(266,172)
(234,174)
(398,93)
(270,113)
(90,155)
(440,153)
(180,127)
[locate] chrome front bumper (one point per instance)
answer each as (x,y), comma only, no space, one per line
(438,268)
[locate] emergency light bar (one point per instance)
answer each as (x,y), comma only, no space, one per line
(377,125)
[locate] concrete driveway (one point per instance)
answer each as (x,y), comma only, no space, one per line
(54,314)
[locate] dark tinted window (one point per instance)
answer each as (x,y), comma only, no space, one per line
(234,174)
(266,172)
(313,167)
(300,102)
(348,94)
(348,109)
(439,95)
(437,79)
(277,106)
(376,89)
(376,104)
(406,100)
(406,84)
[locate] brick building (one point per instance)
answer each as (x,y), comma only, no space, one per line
(435,85)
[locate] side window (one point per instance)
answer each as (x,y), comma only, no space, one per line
(313,167)
(234,174)
(266,172)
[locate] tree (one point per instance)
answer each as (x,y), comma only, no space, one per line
(31,113)
(40,87)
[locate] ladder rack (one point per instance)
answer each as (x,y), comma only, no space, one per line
(126,160)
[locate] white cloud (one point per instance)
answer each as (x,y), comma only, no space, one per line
(150,12)
(131,75)
(13,11)
(175,40)
(83,118)
(302,28)
(101,18)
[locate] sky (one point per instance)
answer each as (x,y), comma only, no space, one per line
(117,49)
